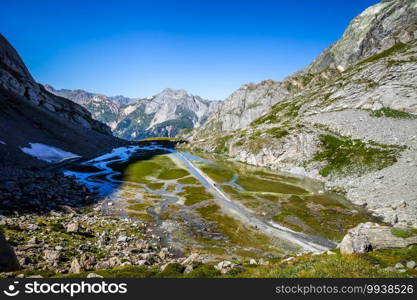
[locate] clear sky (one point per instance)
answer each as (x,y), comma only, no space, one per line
(137,48)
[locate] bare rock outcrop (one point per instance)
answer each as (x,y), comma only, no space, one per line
(370,236)
(376,29)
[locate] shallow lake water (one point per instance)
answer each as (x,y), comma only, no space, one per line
(206,203)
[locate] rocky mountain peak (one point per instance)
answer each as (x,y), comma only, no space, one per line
(172,94)
(163,114)
(11,61)
(377,28)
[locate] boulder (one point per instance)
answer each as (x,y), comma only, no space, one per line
(94,275)
(411,264)
(399,266)
(87,261)
(51,256)
(73,227)
(8,260)
(142,262)
(188,269)
(75,266)
(194,257)
(371,236)
(122,239)
(114,261)
(225,267)
(103,265)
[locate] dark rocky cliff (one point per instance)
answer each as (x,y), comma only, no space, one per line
(31,114)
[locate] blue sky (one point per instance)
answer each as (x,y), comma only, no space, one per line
(137,48)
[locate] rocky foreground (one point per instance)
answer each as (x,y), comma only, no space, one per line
(53,223)
(60,230)
(52,226)
(73,241)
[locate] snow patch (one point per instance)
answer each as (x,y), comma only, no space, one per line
(47,153)
(120,154)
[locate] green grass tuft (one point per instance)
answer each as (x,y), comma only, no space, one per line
(195,194)
(392,113)
(396,48)
(344,156)
(255,184)
(402,233)
(277,132)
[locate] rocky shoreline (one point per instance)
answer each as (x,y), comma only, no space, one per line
(78,240)
(51,225)
(55,225)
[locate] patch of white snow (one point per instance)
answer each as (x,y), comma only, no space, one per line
(47,153)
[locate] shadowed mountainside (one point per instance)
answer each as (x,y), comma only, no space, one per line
(30,114)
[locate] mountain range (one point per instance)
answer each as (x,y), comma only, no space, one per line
(349,119)
(164,114)
(341,131)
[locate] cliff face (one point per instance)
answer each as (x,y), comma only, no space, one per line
(29,113)
(376,29)
(354,129)
(251,101)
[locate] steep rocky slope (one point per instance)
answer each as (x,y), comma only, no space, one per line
(354,129)
(251,101)
(30,114)
(376,29)
(164,114)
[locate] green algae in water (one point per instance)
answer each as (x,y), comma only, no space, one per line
(262,185)
(216,173)
(195,194)
(320,215)
(188,180)
(173,174)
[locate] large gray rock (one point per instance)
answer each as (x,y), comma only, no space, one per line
(75,266)
(52,257)
(73,227)
(370,236)
(8,260)
(225,267)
